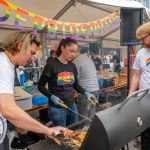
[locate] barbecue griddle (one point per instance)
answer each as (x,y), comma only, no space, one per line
(49,144)
(112,128)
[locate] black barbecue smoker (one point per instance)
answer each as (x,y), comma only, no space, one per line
(113,128)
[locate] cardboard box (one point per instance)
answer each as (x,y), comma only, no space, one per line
(23,99)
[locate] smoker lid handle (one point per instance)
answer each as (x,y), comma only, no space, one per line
(134,94)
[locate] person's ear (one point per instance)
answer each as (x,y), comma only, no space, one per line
(62,48)
(19,46)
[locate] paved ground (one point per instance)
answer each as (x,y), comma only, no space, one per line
(134,145)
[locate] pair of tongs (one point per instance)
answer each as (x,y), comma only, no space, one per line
(93,101)
(63,105)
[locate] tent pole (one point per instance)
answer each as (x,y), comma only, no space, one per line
(94,6)
(128,71)
(101,44)
(60,13)
(42,39)
(100,47)
(71,3)
(111,32)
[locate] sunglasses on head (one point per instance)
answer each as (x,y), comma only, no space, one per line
(34,40)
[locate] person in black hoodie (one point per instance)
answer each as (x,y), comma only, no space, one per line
(62,78)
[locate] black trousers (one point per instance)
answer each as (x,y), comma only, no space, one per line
(117,68)
(5,144)
(145,140)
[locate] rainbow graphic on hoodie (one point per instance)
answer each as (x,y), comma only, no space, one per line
(147,61)
(65,78)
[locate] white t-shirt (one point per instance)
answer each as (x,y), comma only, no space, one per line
(142,62)
(7,75)
(107,59)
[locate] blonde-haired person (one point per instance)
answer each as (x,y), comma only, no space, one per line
(19,49)
(141,75)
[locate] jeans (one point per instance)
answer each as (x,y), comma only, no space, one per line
(117,68)
(5,144)
(62,116)
(84,107)
(145,140)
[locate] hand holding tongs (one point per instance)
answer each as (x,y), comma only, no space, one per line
(93,101)
(65,106)
(91,98)
(62,104)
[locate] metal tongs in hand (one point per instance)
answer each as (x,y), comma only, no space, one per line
(93,101)
(91,98)
(65,106)
(62,104)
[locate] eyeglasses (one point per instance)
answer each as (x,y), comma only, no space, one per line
(33,52)
(142,39)
(76,51)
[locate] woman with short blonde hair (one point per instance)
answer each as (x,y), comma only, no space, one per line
(11,42)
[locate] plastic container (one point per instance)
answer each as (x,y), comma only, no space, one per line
(39,100)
